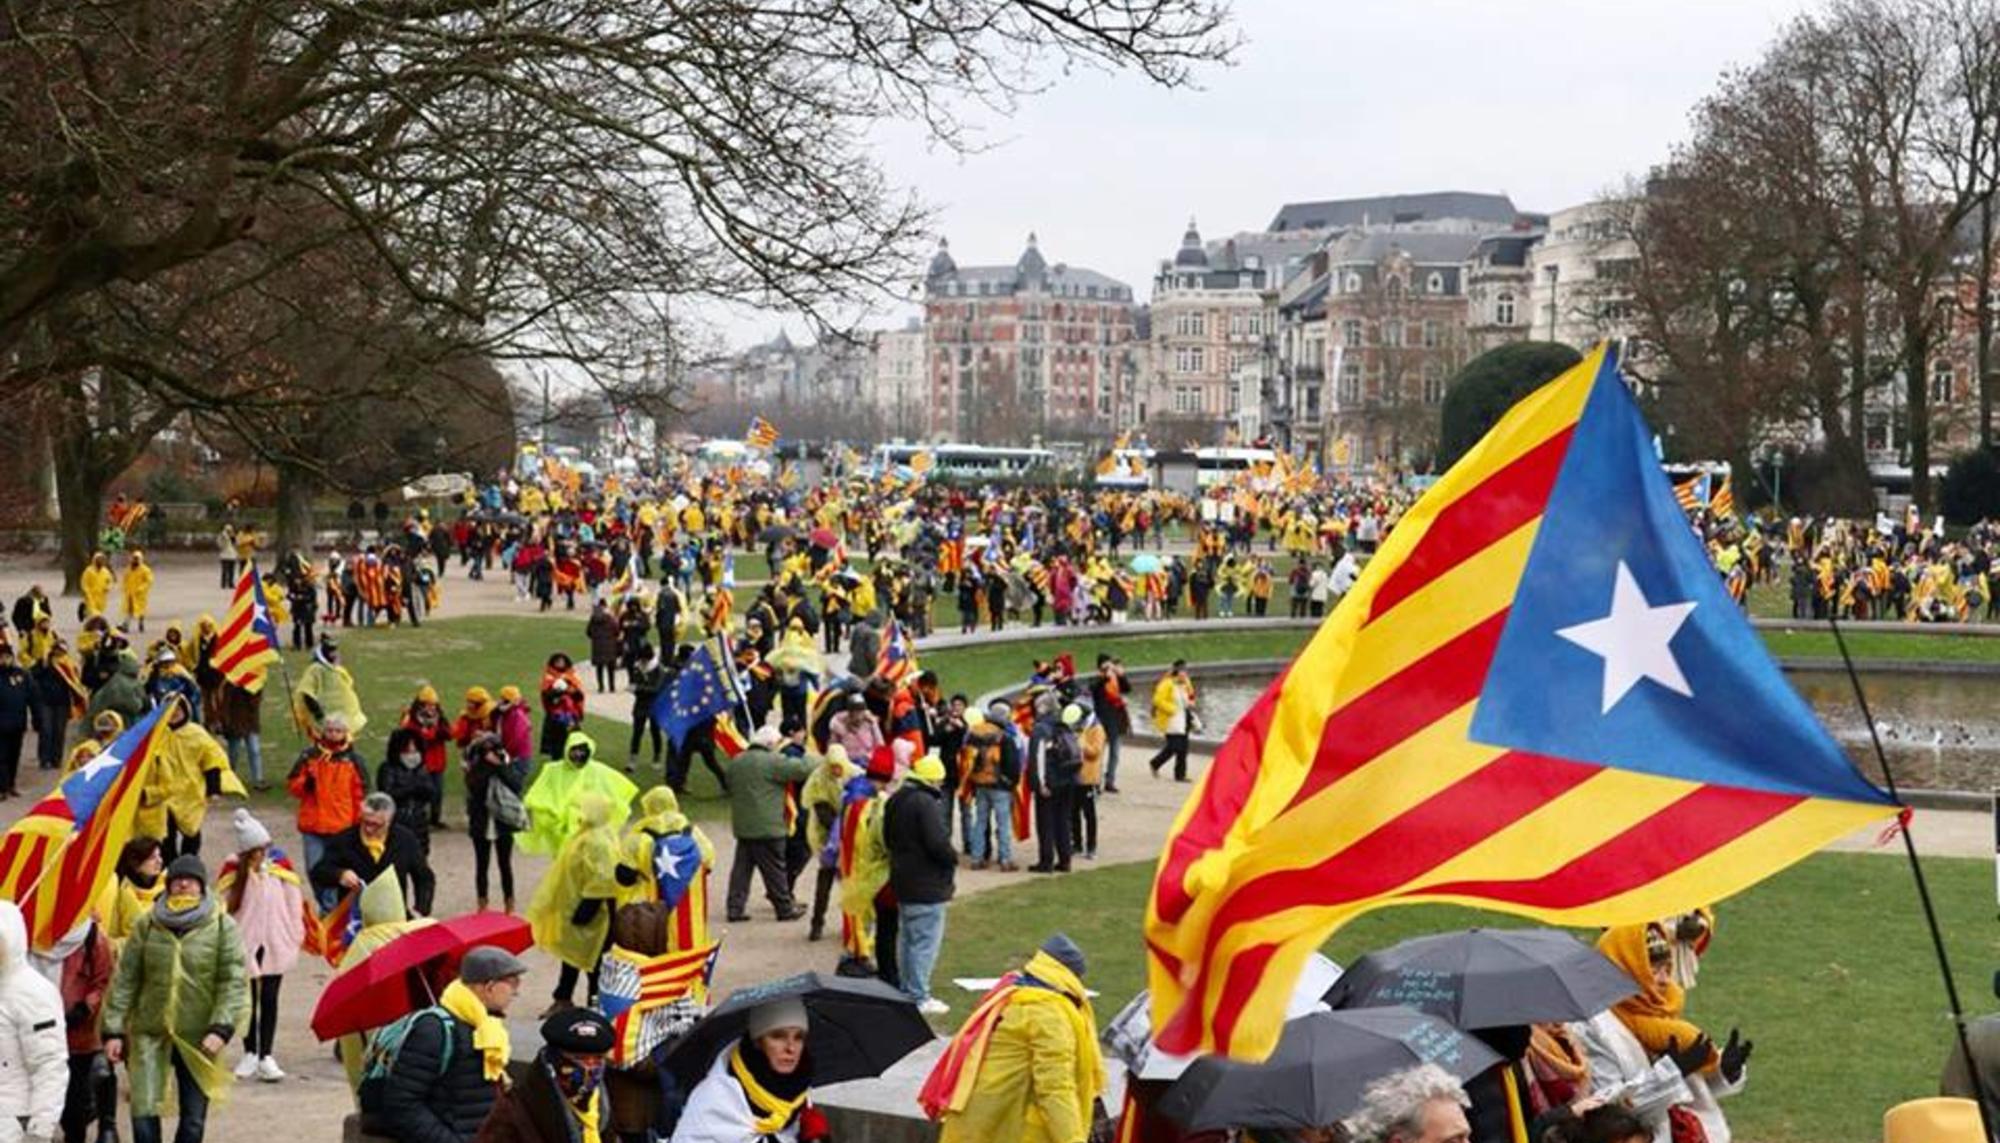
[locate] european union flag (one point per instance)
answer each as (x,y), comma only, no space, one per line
(700,692)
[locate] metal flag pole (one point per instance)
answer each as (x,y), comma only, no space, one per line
(1917,872)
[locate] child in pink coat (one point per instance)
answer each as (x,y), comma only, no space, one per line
(268,899)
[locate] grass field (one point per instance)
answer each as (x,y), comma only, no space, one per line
(1826,966)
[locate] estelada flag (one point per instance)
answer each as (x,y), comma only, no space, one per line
(1538,698)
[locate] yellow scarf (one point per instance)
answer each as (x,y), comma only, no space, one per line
(776,1112)
(182,902)
(489,1032)
(586,1120)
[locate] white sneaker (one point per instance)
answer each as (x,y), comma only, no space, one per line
(246,1067)
(933,1007)
(268,1070)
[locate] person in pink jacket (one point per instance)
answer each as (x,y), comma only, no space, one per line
(515,725)
(267,898)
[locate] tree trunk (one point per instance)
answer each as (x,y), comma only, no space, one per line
(80,492)
(1916,385)
(297,489)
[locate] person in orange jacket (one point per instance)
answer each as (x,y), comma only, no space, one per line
(329,783)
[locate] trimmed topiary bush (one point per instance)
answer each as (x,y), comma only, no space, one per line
(1488,386)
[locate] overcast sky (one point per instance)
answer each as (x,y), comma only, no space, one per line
(1548,102)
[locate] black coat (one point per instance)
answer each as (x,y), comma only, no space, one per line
(17,697)
(347,851)
(409,785)
(429,1097)
(922,863)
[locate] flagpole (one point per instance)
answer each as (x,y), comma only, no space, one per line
(1923,885)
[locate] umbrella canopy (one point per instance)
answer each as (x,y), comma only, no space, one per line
(397,979)
(824,538)
(1145,563)
(1487,978)
(1316,1074)
(1129,1035)
(860,1027)
(776,534)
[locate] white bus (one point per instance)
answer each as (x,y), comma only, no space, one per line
(1220,465)
(964,461)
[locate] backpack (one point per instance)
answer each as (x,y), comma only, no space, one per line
(378,1058)
(504,806)
(985,768)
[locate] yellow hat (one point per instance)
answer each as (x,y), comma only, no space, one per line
(476,697)
(1936,1120)
(510,694)
(929,769)
(427,693)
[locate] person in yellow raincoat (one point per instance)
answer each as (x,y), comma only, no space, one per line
(1025,1066)
(673,861)
(137,588)
(95,583)
(570,912)
(138,881)
(863,858)
(104,729)
(326,688)
(189,769)
(552,802)
(819,798)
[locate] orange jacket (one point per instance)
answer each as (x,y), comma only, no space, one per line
(329,788)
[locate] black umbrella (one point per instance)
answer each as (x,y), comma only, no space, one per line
(859,1027)
(1316,1074)
(1487,978)
(776,533)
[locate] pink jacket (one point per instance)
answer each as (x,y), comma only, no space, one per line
(517,732)
(270,918)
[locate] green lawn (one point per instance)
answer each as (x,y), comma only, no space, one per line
(1826,966)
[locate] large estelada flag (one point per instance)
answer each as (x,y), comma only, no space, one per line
(1538,698)
(57,859)
(248,643)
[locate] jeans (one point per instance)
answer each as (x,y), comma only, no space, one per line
(315,847)
(994,806)
(251,747)
(1111,742)
(194,1110)
(918,939)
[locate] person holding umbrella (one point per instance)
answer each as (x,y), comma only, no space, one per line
(758,1088)
(563,1097)
(448,1073)
(1026,1065)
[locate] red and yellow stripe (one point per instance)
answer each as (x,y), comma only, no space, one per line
(1353,782)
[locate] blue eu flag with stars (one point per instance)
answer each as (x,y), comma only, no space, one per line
(700,692)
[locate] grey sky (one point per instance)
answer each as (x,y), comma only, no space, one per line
(1549,102)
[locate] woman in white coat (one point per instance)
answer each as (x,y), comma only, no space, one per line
(34,1048)
(758,1089)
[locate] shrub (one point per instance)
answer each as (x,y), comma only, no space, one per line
(1488,386)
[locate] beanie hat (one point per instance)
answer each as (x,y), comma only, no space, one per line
(929,769)
(427,693)
(249,832)
(882,763)
(786,1012)
(188,865)
(510,694)
(1066,953)
(766,736)
(1072,715)
(975,717)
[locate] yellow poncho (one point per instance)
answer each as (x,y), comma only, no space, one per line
(95,583)
(585,870)
(552,800)
(327,689)
(138,587)
(176,787)
(659,814)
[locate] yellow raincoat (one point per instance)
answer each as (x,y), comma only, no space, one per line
(823,789)
(585,870)
(95,583)
(1040,1072)
(176,790)
(323,689)
(137,586)
(864,869)
(659,815)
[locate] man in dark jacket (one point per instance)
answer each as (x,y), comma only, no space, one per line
(17,709)
(922,866)
(442,1084)
(1054,760)
(1107,702)
(357,856)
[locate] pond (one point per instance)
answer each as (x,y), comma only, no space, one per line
(1940,730)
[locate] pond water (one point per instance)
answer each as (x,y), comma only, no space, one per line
(1941,731)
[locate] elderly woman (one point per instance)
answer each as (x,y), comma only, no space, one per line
(758,1087)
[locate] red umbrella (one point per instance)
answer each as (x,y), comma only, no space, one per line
(823,538)
(399,977)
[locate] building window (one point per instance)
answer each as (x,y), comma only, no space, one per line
(1187,399)
(1312,402)
(1503,308)
(1392,333)
(1431,335)
(1188,359)
(1350,383)
(1941,382)
(1353,285)
(1394,288)
(1433,384)
(1350,333)
(1435,285)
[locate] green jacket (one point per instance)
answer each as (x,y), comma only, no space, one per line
(121,692)
(155,1016)
(757,780)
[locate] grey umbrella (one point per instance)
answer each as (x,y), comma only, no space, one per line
(1316,1074)
(1487,978)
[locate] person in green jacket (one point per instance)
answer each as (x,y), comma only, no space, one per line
(121,693)
(758,809)
(179,996)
